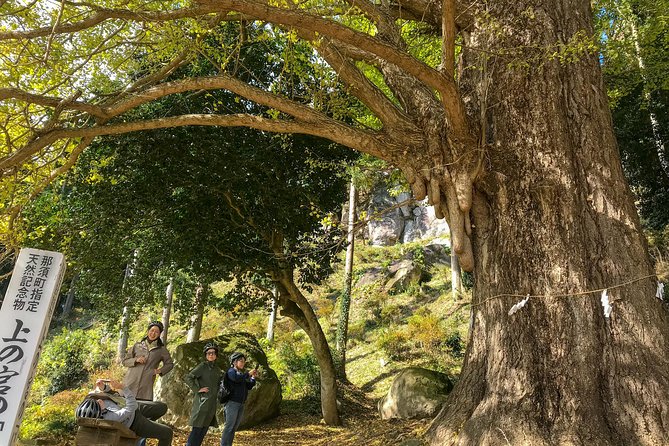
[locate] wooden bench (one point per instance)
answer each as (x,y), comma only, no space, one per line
(99,432)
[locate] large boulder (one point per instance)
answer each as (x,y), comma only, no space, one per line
(404,273)
(415,393)
(372,276)
(263,402)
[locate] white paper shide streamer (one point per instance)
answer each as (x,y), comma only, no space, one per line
(519,305)
(660,291)
(605,304)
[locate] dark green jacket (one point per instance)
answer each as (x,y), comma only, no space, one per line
(206,374)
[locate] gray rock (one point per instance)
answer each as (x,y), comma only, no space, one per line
(436,254)
(386,226)
(410,233)
(405,224)
(263,402)
(371,276)
(386,231)
(404,273)
(415,393)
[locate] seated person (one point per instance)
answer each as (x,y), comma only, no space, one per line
(100,405)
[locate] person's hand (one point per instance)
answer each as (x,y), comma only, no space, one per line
(140,360)
(204,390)
(115,385)
(156,371)
(100,383)
(254,373)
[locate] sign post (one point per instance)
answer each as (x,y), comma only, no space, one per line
(25,315)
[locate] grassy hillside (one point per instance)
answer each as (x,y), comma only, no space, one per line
(418,325)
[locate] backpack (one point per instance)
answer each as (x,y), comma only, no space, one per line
(224,390)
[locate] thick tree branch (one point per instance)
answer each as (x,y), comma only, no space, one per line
(364,141)
(448,38)
(50,101)
(100,16)
(299,19)
(361,87)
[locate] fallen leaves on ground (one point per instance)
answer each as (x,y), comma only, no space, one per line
(361,426)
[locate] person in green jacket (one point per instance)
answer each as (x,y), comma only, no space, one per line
(204,380)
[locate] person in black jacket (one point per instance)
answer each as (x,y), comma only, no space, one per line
(238,383)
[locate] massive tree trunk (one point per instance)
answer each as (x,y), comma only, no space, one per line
(554,218)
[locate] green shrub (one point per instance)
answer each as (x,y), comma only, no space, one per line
(356,330)
(53,418)
(67,359)
(297,369)
(393,343)
(426,329)
(256,324)
(392,313)
(455,345)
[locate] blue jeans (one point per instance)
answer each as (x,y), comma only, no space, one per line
(233,416)
(197,436)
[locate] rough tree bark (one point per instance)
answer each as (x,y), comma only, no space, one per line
(553,216)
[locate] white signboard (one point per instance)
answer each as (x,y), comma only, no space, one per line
(24,321)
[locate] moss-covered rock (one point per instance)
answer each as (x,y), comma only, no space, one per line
(415,393)
(263,402)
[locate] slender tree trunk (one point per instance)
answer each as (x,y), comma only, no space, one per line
(345,302)
(297,307)
(308,321)
(167,309)
(272,317)
(125,318)
(553,216)
(67,308)
(123,335)
(198,313)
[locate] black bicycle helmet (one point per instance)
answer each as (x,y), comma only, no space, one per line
(235,356)
(158,324)
(209,346)
(89,408)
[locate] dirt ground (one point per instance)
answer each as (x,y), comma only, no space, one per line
(298,426)
(290,430)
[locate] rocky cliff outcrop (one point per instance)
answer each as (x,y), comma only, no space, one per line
(402,224)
